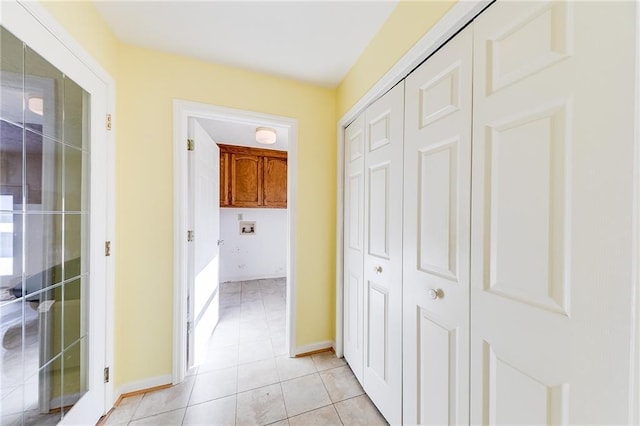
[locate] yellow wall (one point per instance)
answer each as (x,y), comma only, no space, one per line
(407,24)
(146,84)
(148,81)
(82,21)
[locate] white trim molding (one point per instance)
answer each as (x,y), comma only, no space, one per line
(182,111)
(453,21)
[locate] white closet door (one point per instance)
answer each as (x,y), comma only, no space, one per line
(384,122)
(551,270)
(354,246)
(437,185)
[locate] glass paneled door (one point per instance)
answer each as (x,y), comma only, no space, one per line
(52,338)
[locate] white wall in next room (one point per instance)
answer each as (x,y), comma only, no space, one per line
(249,257)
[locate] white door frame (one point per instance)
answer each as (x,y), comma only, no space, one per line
(458,16)
(182,111)
(44,33)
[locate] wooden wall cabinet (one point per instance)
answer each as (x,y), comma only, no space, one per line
(252,177)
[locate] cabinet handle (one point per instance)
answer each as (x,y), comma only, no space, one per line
(378,269)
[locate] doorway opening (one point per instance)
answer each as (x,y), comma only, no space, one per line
(254,281)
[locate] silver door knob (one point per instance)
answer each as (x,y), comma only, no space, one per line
(434,294)
(378,269)
(220,242)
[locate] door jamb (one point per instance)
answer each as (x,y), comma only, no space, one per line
(182,111)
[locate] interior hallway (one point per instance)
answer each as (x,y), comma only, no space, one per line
(248,378)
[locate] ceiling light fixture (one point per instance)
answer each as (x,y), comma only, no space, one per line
(36,105)
(265,135)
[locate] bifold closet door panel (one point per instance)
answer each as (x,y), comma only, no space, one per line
(437,186)
(551,244)
(384,122)
(354,246)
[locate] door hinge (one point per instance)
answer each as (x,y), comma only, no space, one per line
(190,236)
(107,248)
(106,374)
(189,325)
(108,123)
(190,144)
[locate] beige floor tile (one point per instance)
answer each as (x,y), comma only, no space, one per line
(327,360)
(164,400)
(260,406)
(304,394)
(230,299)
(219,358)
(231,287)
(257,374)
(229,314)
(253,330)
(251,296)
(171,418)
(123,413)
(252,315)
(214,384)
(255,351)
(279,344)
(290,368)
(251,285)
(278,324)
(322,416)
(225,334)
(359,411)
(252,305)
(341,383)
(284,422)
(217,412)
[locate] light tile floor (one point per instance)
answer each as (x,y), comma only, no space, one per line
(248,378)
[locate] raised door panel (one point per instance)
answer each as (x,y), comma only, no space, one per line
(383,147)
(516,397)
(551,213)
(354,247)
(437,169)
(246,180)
(275,182)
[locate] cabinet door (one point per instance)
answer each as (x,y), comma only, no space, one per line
(246,180)
(225,190)
(274,182)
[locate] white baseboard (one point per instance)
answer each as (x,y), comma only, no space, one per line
(319,346)
(251,277)
(139,385)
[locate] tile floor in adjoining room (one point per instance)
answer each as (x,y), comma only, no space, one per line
(248,378)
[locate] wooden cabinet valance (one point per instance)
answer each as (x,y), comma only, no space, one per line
(252,177)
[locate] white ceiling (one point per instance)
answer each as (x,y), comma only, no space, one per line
(243,133)
(312,41)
